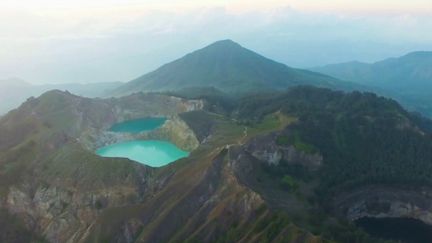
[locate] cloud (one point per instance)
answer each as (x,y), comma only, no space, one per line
(86,41)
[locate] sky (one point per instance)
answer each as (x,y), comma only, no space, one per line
(62,41)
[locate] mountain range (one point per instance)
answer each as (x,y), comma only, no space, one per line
(233,69)
(229,67)
(277,155)
(407,78)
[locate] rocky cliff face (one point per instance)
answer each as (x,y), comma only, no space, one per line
(62,208)
(374,201)
(198,199)
(195,201)
(386,202)
(96,133)
(54,183)
(266,149)
(176,131)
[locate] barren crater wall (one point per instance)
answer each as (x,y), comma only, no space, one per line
(64,188)
(386,202)
(174,130)
(96,134)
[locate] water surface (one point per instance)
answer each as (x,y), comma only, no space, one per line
(154,153)
(398,229)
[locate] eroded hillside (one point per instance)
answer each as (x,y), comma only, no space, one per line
(278,167)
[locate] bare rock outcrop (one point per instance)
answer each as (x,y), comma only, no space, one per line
(386,202)
(265,148)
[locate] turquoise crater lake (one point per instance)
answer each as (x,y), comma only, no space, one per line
(153,153)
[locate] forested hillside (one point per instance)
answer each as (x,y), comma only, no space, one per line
(364,139)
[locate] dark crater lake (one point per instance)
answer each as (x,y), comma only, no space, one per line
(405,230)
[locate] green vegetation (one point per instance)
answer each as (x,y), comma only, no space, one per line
(268,227)
(289,183)
(295,140)
(273,121)
(297,171)
(283,140)
(270,123)
(364,139)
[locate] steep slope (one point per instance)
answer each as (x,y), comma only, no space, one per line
(407,78)
(50,177)
(374,159)
(281,167)
(55,186)
(227,66)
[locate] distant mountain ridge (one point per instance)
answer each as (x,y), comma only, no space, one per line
(409,77)
(15,91)
(229,67)
(412,69)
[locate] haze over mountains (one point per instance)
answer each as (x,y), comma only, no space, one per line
(229,67)
(15,91)
(224,65)
(407,78)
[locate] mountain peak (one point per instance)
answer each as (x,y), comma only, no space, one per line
(223,46)
(225,43)
(227,66)
(57,94)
